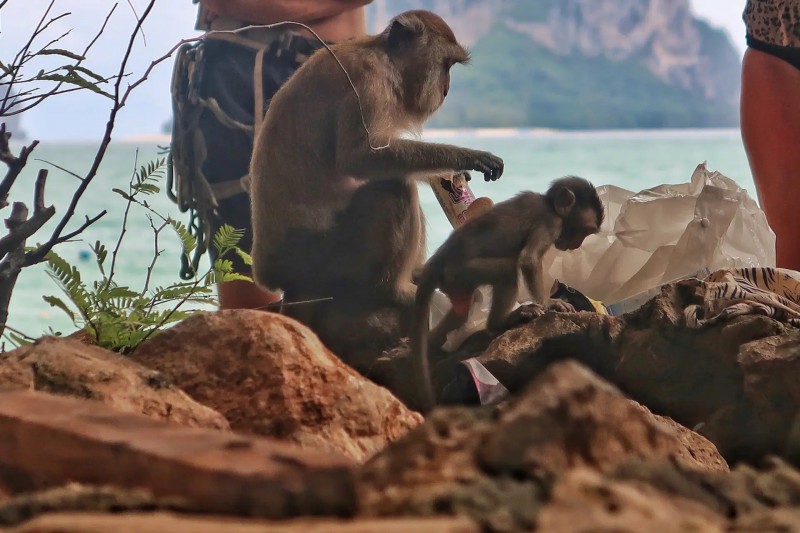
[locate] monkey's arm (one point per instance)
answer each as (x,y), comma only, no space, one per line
(532,272)
(399,158)
(530,265)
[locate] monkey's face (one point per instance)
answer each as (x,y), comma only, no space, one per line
(580,223)
(424,49)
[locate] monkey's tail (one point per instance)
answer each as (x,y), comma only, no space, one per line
(419,343)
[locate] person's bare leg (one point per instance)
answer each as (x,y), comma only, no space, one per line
(246,295)
(770,123)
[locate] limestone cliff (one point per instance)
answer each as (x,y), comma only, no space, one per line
(668,67)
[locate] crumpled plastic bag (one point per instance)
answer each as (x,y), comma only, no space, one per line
(666,233)
(649,238)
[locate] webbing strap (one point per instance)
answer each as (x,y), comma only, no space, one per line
(226,189)
(258,91)
(240,185)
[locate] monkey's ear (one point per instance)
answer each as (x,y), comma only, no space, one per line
(400,35)
(564,201)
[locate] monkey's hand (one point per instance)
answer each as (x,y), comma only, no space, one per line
(523,314)
(487,163)
(560,306)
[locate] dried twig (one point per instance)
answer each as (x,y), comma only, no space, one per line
(36,99)
(62,169)
(14,163)
(281,303)
(19,229)
(38,255)
(20,333)
(124,229)
(86,223)
(12,263)
(156,252)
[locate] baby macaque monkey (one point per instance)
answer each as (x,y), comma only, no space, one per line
(491,249)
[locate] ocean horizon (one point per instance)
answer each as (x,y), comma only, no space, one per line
(631,159)
(164,139)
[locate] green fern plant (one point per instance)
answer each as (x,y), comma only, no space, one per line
(120,318)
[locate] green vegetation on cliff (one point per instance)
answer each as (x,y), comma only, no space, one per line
(514,82)
(578,64)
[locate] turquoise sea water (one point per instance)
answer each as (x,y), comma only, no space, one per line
(631,159)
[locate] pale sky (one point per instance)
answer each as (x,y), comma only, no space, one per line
(83,116)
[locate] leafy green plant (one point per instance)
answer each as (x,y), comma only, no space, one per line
(36,71)
(119,317)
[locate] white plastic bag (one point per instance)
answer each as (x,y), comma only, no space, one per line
(665,233)
(647,239)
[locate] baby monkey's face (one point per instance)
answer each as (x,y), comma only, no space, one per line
(580,223)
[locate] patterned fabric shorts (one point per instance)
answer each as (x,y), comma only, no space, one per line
(773,27)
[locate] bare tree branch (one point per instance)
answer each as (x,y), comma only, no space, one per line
(38,190)
(135,14)
(23,52)
(40,97)
(156,252)
(39,254)
(52,42)
(129,200)
(14,163)
(12,263)
(20,333)
(34,90)
(22,55)
(86,223)
(62,169)
(5,108)
(20,228)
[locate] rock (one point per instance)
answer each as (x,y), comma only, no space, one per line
(520,354)
(771,369)
(583,500)
(72,368)
(270,375)
(684,373)
(765,420)
(497,465)
(434,471)
(743,491)
(745,432)
(569,417)
(773,520)
(160,522)
(55,440)
(735,381)
(355,335)
(696,451)
(75,496)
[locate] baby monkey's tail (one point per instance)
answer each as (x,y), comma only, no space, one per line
(426,285)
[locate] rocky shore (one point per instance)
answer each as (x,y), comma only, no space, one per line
(243,421)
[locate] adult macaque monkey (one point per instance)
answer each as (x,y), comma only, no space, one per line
(491,249)
(335,207)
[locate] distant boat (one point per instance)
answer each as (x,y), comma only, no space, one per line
(14,122)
